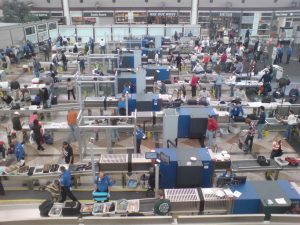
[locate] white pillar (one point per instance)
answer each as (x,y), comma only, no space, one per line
(66,11)
(194,19)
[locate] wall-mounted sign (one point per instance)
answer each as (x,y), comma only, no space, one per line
(169,14)
(98,14)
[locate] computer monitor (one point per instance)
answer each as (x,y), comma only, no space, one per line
(223,181)
(151,155)
(237,180)
(164,158)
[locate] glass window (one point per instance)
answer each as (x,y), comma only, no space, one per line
(140,17)
(42,28)
(29,30)
(248,14)
(184,17)
(52,26)
(121,17)
(246,26)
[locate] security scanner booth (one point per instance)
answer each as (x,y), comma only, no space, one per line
(161,73)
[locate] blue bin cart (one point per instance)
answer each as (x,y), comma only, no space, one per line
(168,171)
(208,169)
(248,202)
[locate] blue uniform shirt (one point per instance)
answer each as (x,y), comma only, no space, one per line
(19,152)
(236,111)
(65,179)
(103,183)
(139,134)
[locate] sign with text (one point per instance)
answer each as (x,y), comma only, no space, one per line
(169,14)
(98,14)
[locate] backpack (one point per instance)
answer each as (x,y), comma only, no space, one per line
(48,139)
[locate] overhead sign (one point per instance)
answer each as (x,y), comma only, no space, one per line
(170,14)
(98,14)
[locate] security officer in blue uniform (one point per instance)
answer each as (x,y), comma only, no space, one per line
(102,187)
(139,137)
(66,183)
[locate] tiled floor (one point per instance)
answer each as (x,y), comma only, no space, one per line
(52,154)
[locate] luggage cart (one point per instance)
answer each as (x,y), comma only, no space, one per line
(183,200)
(215,201)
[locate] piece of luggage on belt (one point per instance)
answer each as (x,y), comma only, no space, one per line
(292,161)
(262,161)
(100,196)
(71,208)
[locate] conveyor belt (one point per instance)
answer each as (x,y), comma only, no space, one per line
(252,165)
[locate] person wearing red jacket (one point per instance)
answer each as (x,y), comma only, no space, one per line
(194,83)
(223,61)
(212,127)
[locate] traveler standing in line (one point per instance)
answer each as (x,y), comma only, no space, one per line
(289,54)
(102,46)
(18,149)
(139,137)
(291,121)
(261,122)
(36,66)
(194,83)
(212,128)
(67,153)
(219,81)
(178,62)
(250,134)
(17,126)
(70,88)
(15,89)
(38,134)
(8,63)
(65,181)
(72,122)
(276,148)
(64,61)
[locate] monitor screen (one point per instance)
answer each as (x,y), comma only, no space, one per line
(151,155)
(223,181)
(239,179)
(164,158)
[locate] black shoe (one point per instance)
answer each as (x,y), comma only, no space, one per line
(42,149)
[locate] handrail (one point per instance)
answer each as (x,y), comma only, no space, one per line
(172,143)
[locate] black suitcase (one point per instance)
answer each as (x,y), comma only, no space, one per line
(266,99)
(71,208)
(45,207)
(192,102)
(239,119)
(54,100)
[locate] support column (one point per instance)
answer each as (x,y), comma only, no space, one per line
(194,19)
(66,8)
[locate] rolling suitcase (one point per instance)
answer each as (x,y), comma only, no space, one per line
(192,102)
(54,100)
(45,207)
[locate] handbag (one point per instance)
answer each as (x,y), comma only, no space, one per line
(262,161)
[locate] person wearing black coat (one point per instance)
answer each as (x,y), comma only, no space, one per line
(37,134)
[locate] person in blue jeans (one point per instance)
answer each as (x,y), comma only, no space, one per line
(139,137)
(102,187)
(219,81)
(261,122)
(65,181)
(19,151)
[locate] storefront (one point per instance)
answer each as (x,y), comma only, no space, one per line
(163,18)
